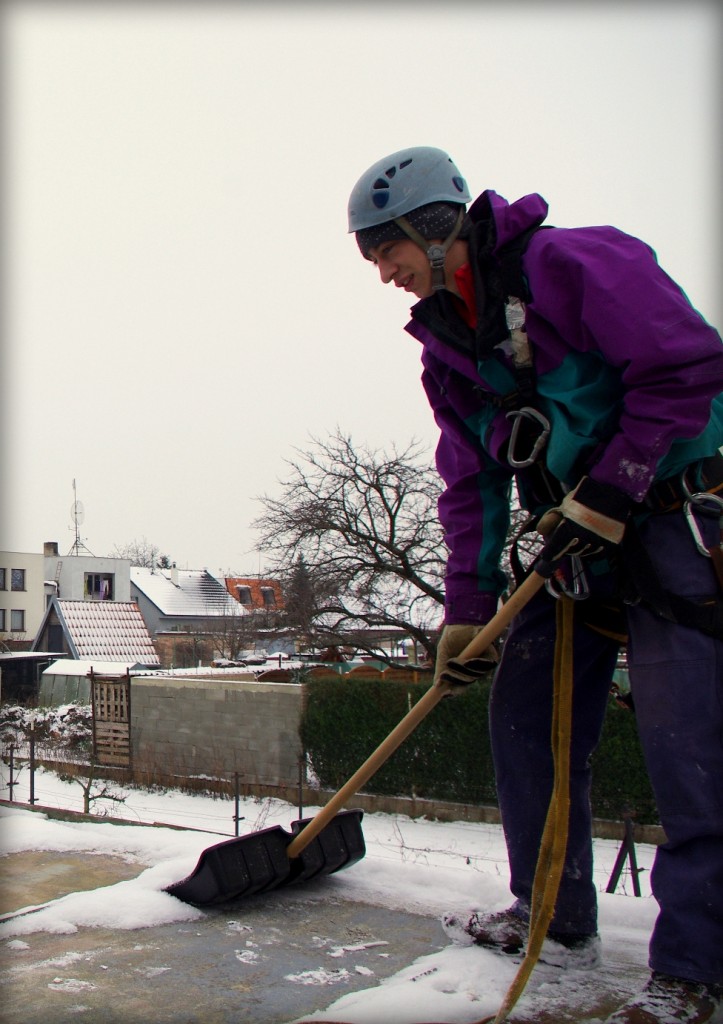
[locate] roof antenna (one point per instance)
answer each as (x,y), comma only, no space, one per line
(77,515)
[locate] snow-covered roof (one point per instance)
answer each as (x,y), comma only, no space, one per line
(107,631)
(185,592)
(71,667)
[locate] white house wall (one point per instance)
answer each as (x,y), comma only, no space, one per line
(73,568)
(31,600)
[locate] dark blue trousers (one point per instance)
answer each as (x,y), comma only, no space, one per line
(677,684)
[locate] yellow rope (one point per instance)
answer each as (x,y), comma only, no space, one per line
(551,858)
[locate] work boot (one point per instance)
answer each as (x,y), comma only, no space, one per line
(672,1000)
(506,932)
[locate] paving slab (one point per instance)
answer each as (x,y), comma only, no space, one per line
(36,876)
(267,959)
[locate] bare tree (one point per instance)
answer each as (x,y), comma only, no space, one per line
(142,553)
(364,526)
(356,536)
(94,789)
(232,633)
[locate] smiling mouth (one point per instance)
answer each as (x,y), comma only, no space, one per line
(406,282)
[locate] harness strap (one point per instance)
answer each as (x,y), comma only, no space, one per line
(641,583)
(671,494)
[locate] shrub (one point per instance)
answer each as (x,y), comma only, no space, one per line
(448,757)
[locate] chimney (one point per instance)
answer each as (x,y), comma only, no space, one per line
(50,549)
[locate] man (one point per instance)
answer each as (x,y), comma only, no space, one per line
(567,360)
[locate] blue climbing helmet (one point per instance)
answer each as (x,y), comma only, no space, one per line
(417,192)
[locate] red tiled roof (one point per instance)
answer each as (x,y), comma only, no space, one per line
(108,631)
(255,585)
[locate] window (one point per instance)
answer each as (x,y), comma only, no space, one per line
(99,586)
(2,620)
(244,594)
(17,620)
(269,597)
(3,582)
(17,579)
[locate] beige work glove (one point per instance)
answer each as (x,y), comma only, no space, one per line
(455,674)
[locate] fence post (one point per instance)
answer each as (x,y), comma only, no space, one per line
(31,798)
(236,817)
(301,786)
(627,850)
(11,779)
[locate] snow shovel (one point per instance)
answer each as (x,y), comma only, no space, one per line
(333,839)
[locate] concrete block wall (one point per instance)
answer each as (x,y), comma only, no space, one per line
(211,727)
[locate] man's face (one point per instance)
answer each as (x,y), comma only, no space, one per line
(404,263)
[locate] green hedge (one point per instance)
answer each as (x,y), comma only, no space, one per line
(448,756)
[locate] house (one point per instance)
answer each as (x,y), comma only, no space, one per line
(29,580)
(184,600)
(190,614)
(86,577)
(22,597)
(97,631)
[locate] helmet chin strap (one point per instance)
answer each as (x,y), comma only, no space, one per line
(436,254)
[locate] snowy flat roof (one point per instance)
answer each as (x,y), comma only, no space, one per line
(71,667)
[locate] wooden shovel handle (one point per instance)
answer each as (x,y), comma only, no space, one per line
(411,720)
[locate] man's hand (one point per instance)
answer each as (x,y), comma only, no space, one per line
(590,522)
(453,673)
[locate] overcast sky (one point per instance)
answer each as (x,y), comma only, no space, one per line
(183,307)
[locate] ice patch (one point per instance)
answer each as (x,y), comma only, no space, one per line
(70,985)
(246,956)
(356,948)
(319,977)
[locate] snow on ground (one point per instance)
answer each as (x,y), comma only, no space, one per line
(414,865)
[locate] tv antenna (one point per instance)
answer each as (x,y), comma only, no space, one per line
(77,515)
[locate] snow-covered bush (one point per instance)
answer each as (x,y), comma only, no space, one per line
(69,726)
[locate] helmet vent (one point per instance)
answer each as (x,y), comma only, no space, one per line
(458,183)
(380,193)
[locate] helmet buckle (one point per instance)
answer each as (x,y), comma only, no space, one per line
(436,254)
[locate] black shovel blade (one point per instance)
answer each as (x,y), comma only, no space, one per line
(259,862)
(237,867)
(339,845)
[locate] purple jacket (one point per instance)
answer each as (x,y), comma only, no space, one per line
(628,373)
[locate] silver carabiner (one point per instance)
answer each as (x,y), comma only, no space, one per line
(517,416)
(699,500)
(579,591)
